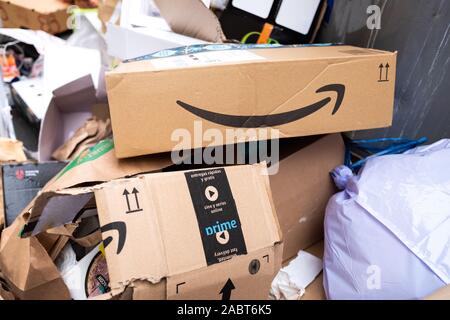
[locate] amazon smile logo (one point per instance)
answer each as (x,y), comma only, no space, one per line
(247,139)
(272,120)
(121,229)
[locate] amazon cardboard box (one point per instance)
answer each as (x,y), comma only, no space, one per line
(202,234)
(171,103)
(47,15)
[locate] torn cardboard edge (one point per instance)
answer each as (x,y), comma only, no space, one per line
(11,150)
(46,15)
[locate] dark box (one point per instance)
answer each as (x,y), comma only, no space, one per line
(22,182)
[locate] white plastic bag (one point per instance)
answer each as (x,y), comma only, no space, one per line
(387,236)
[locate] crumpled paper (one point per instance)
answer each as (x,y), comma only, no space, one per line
(291,282)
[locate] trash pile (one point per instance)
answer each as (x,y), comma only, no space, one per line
(188,156)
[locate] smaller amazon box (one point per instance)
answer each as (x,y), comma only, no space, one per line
(47,15)
(194,235)
(199,96)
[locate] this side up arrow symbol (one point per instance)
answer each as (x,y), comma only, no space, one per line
(127,194)
(227,289)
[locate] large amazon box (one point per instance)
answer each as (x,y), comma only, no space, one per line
(47,15)
(202,234)
(267,91)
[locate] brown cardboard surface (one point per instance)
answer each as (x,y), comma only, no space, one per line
(2,209)
(301,190)
(200,23)
(167,224)
(214,278)
(147,104)
(28,267)
(106,10)
(11,150)
(46,15)
(101,165)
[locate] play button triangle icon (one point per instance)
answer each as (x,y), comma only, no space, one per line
(211,193)
(223,237)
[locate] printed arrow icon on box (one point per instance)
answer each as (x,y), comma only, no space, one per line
(387,71)
(226,290)
(273,119)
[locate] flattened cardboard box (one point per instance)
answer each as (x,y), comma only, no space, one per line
(204,234)
(299,91)
(46,15)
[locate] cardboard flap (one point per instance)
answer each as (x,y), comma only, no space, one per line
(57,205)
(54,209)
(130,228)
(77,95)
(100,165)
(200,22)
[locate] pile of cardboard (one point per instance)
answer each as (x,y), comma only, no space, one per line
(153,230)
(146,214)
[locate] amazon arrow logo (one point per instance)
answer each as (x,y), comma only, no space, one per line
(121,228)
(272,120)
